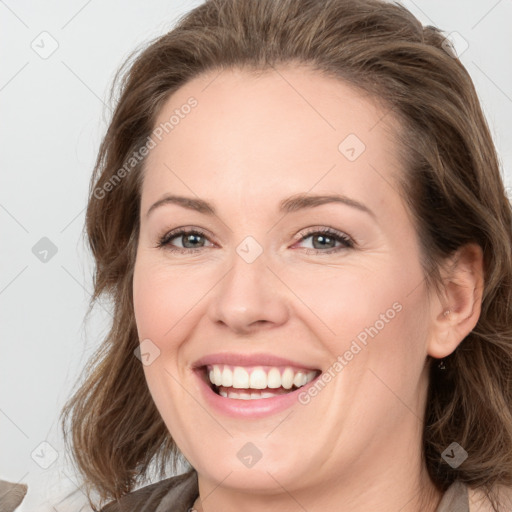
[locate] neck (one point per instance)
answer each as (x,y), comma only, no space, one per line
(418,495)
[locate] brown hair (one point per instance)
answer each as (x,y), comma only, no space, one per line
(451,182)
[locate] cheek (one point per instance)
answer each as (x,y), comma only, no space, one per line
(380,315)
(160,298)
(158,307)
(169,303)
(151,299)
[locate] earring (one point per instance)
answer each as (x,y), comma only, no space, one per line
(441,366)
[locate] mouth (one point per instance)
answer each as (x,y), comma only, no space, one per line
(255,382)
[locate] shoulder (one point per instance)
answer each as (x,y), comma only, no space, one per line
(11,495)
(179,491)
(478,501)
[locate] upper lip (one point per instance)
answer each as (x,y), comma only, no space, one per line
(260,359)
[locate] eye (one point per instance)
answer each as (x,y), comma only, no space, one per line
(324,241)
(190,240)
(326,238)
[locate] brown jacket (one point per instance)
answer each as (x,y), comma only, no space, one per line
(11,495)
(177,494)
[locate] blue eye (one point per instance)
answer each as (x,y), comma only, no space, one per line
(326,238)
(324,241)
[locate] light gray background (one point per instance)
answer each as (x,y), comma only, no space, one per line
(53,118)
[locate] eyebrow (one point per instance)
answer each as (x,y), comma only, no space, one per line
(291,204)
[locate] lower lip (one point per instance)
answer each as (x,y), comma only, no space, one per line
(239,408)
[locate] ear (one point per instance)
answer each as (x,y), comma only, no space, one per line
(456,312)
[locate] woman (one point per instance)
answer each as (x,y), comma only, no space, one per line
(298,214)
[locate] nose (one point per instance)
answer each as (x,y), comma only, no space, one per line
(249,297)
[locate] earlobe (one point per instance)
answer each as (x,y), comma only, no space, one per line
(456,313)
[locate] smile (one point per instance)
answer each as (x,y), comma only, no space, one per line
(258,382)
(251,386)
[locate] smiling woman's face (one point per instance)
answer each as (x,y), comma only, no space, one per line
(260,285)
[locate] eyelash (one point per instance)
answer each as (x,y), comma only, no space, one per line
(348,243)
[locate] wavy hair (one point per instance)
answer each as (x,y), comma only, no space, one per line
(451,181)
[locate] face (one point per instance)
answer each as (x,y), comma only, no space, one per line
(310,316)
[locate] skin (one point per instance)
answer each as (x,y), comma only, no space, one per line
(251,142)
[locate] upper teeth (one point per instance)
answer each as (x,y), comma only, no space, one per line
(259,377)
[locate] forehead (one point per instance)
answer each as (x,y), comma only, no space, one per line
(285,130)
